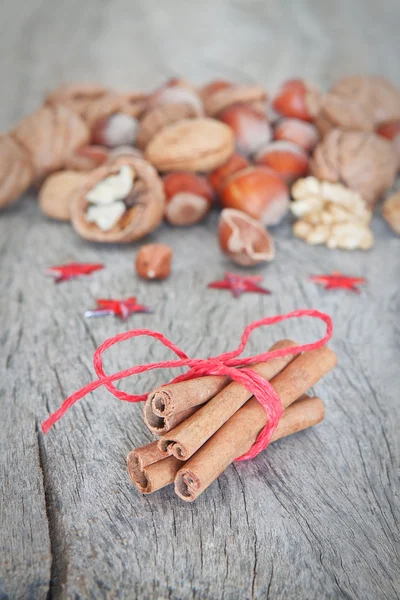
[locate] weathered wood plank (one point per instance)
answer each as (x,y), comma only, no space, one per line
(316,515)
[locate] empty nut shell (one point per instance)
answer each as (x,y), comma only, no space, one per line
(244,239)
(77,96)
(153,261)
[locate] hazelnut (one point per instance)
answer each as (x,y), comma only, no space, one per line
(153,261)
(244,239)
(234,164)
(252,129)
(286,158)
(176,91)
(188,198)
(291,100)
(299,132)
(56,192)
(257,191)
(220,95)
(391,212)
(115,130)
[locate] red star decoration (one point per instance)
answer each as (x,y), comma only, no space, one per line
(118,308)
(239,284)
(71,270)
(337,280)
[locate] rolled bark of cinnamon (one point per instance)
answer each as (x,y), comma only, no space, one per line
(239,433)
(149,470)
(185,439)
(169,405)
(150,473)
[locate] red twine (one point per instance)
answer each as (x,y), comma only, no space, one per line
(223,364)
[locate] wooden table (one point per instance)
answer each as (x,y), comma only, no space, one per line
(317,515)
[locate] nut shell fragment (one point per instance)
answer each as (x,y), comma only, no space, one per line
(191,145)
(16,171)
(145,206)
(244,239)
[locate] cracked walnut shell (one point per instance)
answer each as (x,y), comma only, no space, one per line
(144,206)
(16,172)
(364,162)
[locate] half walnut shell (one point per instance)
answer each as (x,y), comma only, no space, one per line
(244,239)
(16,171)
(145,204)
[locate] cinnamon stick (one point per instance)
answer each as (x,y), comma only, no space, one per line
(150,470)
(169,405)
(185,439)
(240,432)
(150,477)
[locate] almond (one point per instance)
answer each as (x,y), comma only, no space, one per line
(191,145)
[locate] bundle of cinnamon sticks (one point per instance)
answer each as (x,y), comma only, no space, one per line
(206,423)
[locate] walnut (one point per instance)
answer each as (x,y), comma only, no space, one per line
(330,214)
(16,171)
(364,162)
(121,201)
(360,102)
(77,96)
(391,212)
(51,135)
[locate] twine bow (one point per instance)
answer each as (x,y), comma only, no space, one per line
(223,364)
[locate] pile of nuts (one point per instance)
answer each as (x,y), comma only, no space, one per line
(115,164)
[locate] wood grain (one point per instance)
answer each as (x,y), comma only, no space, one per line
(316,515)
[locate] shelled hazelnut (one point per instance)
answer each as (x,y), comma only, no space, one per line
(153,261)
(244,239)
(188,196)
(257,191)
